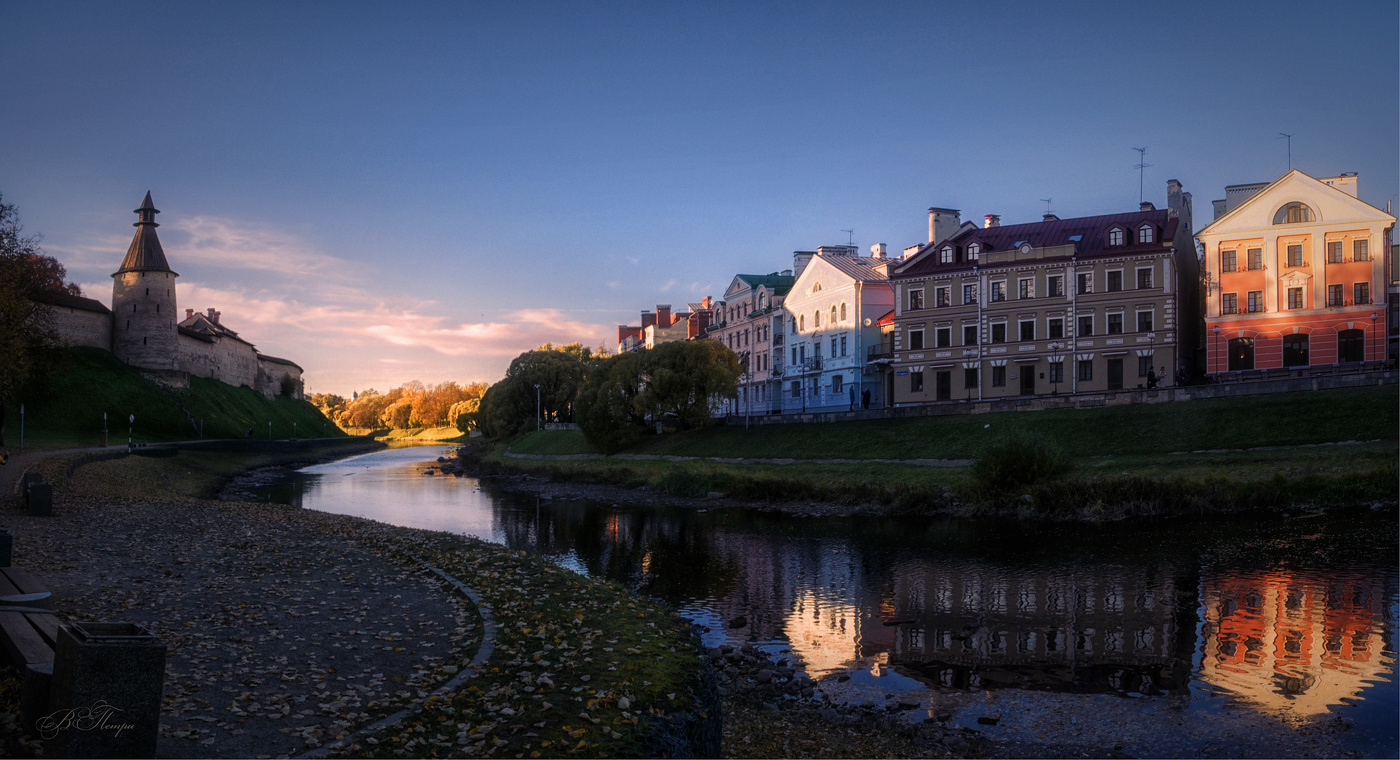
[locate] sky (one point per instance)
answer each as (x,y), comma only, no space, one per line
(386,192)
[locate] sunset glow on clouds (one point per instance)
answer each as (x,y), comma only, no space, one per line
(293,301)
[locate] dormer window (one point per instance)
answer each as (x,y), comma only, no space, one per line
(945,255)
(1145,233)
(972,250)
(1294,213)
(1115,236)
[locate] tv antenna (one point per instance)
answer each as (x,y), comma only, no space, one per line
(1289,138)
(1047,201)
(850,237)
(1141,166)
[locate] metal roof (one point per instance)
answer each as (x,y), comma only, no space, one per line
(145,253)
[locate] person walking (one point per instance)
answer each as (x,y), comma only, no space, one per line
(851,391)
(1151,378)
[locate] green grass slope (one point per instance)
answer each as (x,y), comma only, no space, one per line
(1283,419)
(68,410)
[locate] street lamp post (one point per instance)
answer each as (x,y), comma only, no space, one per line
(1215,331)
(1373,332)
(1055,376)
(537,407)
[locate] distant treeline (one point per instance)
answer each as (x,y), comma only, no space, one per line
(411,405)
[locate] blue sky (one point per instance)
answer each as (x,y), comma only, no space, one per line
(386,192)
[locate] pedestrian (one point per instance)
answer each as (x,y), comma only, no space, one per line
(1151,378)
(865,399)
(851,391)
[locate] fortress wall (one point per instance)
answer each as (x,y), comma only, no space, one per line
(83,328)
(270,375)
(227,360)
(143,316)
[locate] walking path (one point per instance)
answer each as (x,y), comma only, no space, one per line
(746,460)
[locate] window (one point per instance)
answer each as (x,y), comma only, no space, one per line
(1227,261)
(1295,256)
(945,255)
(916,382)
(1086,325)
(1144,365)
(832,321)
(943,336)
(843,311)
(1115,236)
(972,250)
(1115,324)
(916,299)
(916,340)
(836,384)
(1145,233)
(969,335)
(1255,258)
(1144,276)
(1028,330)
(794,354)
(1057,372)
(943,296)
(797,389)
(1361,250)
(1055,285)
(1027,287)
(1229,303)
(970,378)
(1361,293)
(1256,301)
(1144,321)
(1334,296)
(1086,369)
(999,376)
(833,347)
(1056,328)
(999,332)
(1295,350)
(1295,298)
(1351,346)
(970,293)
(801,322)
(1086,283)
(1115,281)
(1241,352)
(817,319)
(1293,213)
(999,291)
(1334,251)
(816,351)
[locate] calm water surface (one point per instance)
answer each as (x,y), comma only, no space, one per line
(1292,616)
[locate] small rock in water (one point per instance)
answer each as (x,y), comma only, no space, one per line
(989,720)
(764,676)
(739,622)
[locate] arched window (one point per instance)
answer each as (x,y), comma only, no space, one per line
(1115,236)
(1145,233)
(1294,213)
(1295,350)
(817,288)
(1351,346)
(1241,354)
(801,323)
(843,311)
(817,319)
(972,250)
(833,315)
(760,299)
(945,255)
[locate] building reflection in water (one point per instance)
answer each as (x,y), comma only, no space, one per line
(1297,641)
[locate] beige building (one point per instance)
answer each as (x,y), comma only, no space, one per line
(750,322)
(1056,306)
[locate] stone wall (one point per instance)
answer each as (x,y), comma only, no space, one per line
(82,327)
(227,360)
(143,320)
(1088,400)
(270,374)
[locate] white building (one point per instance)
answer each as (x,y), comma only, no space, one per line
(832,314)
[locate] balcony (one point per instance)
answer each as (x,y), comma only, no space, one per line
(881,352)
(805,367)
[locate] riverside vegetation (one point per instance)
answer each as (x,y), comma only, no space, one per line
(1333,448)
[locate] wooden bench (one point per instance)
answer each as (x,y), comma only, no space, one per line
(19,588)
(30,638)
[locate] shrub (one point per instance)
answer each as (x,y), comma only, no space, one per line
(1018,462)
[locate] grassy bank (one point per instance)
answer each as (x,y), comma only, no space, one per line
(1218,455)
(68,411)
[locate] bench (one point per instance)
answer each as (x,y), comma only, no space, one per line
(20,589)
(30,638)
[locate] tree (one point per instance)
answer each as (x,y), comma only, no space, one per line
(509,407)
(28,342)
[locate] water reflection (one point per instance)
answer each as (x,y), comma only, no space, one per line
(1291,615)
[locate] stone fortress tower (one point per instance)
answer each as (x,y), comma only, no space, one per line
(143,300)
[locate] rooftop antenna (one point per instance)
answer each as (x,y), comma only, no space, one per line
(850,237)
(1289,138)
(1047,201)
(1141,166)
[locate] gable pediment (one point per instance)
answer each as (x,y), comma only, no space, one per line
(1295,279)
(1328,206)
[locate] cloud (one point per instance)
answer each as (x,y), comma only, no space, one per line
(219,242)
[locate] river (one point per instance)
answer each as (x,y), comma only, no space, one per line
(1290,621)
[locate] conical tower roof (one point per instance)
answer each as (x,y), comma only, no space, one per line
(145,253)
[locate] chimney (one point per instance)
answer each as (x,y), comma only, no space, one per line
(189,313)
(788,272)
(1049,217)
(212,315)
(1146,206)
(942,223)
(991,220)
(878,250)
(705,302)
(663,315)
(648,319)
(910,250)
(799,261)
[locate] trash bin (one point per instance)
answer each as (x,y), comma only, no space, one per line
(106,693)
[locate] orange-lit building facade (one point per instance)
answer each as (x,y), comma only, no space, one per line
(1295,275)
